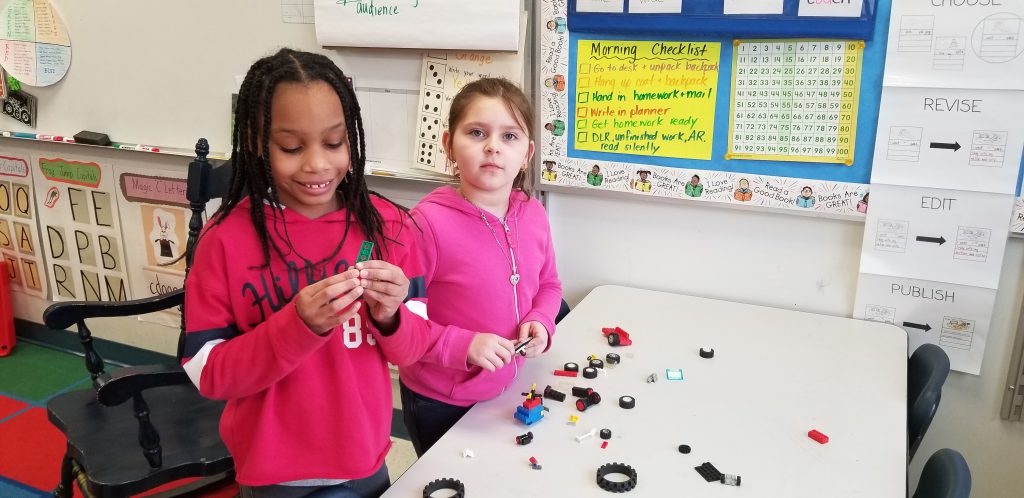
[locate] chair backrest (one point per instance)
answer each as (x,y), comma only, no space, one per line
(205,182)
(563,310)
(945,475)
(926,373)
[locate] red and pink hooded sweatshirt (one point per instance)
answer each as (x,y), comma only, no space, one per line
(299,405)
(467,267)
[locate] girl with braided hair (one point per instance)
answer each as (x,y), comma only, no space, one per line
(281,321)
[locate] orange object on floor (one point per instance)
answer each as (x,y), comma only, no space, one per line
(6,312)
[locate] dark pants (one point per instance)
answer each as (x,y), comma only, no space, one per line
(367,487)
(427,419)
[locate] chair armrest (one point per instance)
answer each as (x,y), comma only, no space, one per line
(118,387)
(65,314)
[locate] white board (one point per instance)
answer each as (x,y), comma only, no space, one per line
(433,24)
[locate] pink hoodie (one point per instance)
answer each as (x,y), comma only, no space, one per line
(467,267)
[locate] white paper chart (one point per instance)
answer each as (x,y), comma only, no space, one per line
(444,74)
(960,139)
(955,317)
(795,100)
(936,234)
(34,43)
(975,44)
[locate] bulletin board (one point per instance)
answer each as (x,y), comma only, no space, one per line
(163,74)
(638,98)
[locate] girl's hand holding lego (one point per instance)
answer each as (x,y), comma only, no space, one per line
(490,351)
(330,302)
(385,288)
(540,338)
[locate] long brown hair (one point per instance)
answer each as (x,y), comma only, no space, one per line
(499,88)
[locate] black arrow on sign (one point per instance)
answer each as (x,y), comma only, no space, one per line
(938,240)
(924,327)
(955,146)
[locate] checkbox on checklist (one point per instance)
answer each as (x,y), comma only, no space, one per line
(584,68)
(582,124)
(583,97)
(581,112)
(583,83)
(581,137)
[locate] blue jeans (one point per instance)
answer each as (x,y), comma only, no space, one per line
(427,419)
(367,487)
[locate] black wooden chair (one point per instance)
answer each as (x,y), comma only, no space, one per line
(168,431)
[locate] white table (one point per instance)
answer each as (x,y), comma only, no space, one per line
(776,374)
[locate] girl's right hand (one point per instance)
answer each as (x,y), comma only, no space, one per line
(329,303)
(490,351)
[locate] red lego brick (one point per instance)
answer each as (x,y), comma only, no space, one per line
(817,436)
(565,373)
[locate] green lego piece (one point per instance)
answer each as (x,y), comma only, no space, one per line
(364,251)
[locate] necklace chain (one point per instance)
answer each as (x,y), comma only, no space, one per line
(514,278)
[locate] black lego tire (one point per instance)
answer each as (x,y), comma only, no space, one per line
(616,486)
(445,483)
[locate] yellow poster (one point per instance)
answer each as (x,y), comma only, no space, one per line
(646,98)
(795,100)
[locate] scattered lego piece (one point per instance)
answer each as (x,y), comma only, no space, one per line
(467,453)
(524,439)
(590,373)
(817,436)
(604,444)
(571,367)
(573,419)
(708,472)
(627,402)
(565,373)
(730,479)
(592,357)
(606,433)
(583,403)
(612,359)
(597,363)
(674,373)
(707,352)
(550,393)
(581,392)
(536,466)
(533,461)
(652,378)
(617,337)
(581,437)
(684,449)
(616,486)
(532,409)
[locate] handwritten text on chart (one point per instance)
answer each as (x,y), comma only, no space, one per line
(646,98)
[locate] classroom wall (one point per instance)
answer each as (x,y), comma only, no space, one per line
(792,262)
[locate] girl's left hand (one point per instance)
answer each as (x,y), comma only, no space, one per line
(539,334)
(385,289)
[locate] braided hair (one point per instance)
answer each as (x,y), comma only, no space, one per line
(251,175)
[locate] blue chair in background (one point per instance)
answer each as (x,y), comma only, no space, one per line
(926,373)
(945,475)
(562,311)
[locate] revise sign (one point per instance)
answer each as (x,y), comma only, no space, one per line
(795,100)
(646,98)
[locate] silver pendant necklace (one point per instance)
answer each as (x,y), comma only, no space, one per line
(514,277)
